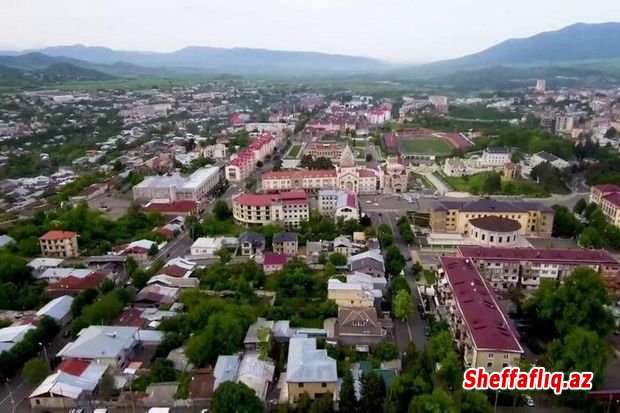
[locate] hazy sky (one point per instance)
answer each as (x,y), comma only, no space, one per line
(396,30)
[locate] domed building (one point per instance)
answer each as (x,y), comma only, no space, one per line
(494,231)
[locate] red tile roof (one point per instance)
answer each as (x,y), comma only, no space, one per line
(272,258)
(74,367)
(575,256)
(131,317)
(57,235)
(72,283)
(488,327)
(613,198)
(607,188)
(179,206)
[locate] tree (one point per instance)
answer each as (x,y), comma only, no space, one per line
(492,183)
(591,238)
(580,206)
(153,250)
(205,347)
(372,392)
(224,254)
(406,386)
(473,402)
(580,350)
(259,164)
(394,261)
(386,351)
(402,306)
(221,210)
(580,301)
(35,371)
(437,402)
(338,259)
(323,404)
(106,385)
(231,397)
(348,402)
(162,370)
(438,347)
(451,372)
(384,233)
(565,224)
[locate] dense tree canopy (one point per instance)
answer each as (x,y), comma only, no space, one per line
(231,397)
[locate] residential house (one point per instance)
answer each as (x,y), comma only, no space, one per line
(71,386)
(258,332)
(138,250)
(346,294)
(248,369)
(359,326)
(39,265)
(285,243)
(59,309)
(6,241)
(369,262)
(107,345)
(73,285)
(343,245)
(251,243)
(10,336)
(309,370)
(62,244)
(155,295)
(273,262)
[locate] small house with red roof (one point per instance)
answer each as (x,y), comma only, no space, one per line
(274,262)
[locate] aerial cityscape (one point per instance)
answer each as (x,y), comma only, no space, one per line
(240,228)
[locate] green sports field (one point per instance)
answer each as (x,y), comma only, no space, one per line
(426,146)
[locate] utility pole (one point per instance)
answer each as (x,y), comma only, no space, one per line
(45,353)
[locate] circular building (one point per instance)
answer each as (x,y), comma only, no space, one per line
(493,231)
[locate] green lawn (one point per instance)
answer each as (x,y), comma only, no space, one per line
(426,146)
(474,183)
(294,152)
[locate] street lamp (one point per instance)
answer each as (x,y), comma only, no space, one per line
(45,353)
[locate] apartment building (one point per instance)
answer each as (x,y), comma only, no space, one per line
(607,197)
(287,208)
(62,244)
(497,156)
(507,268)
(453,217)
(176,188)
(244,164)
(482,332)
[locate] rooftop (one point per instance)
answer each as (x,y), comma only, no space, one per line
(57,235)
(306,364)
(497,224)
(258,200)
(100,342)
(488,327)
(575,256)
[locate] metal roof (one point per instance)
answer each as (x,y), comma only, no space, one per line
(307,364)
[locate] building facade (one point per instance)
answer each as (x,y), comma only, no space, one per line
(483,334)
(287,208)
(62,244)
(508,268)
(607,197)
(453,216)
(243,165)
(176,188)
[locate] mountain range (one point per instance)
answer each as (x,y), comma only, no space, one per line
(575,45)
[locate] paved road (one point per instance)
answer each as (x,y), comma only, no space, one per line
(412,329)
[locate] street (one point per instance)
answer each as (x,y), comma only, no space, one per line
(413,328)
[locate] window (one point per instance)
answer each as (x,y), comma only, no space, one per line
(489,365)
(491,238)
(323,384)
(491,355)
(301,385)
(506,356)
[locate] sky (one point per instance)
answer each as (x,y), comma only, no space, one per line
(405,31)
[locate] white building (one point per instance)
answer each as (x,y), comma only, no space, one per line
(338,204)
(206,246)
(495,156)
(564,124)
(177,188)
(287,208)
(543,156)
(541,85)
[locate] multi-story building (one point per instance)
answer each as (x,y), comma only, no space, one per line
(62,244)
(324,149)
(244,164)
(288,208)
(564,124)
(217,151)
(607,197)
(497,156)
(440,103)
(541,85)
(482,332)
(453,216)
(377,116)
(286,243)
(176,188)
(395,175)
(309,370)
(507,268)
(338,204)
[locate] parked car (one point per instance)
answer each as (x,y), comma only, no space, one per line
(427,331)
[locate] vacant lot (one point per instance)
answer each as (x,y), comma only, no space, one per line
(474,184)
(427,146)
